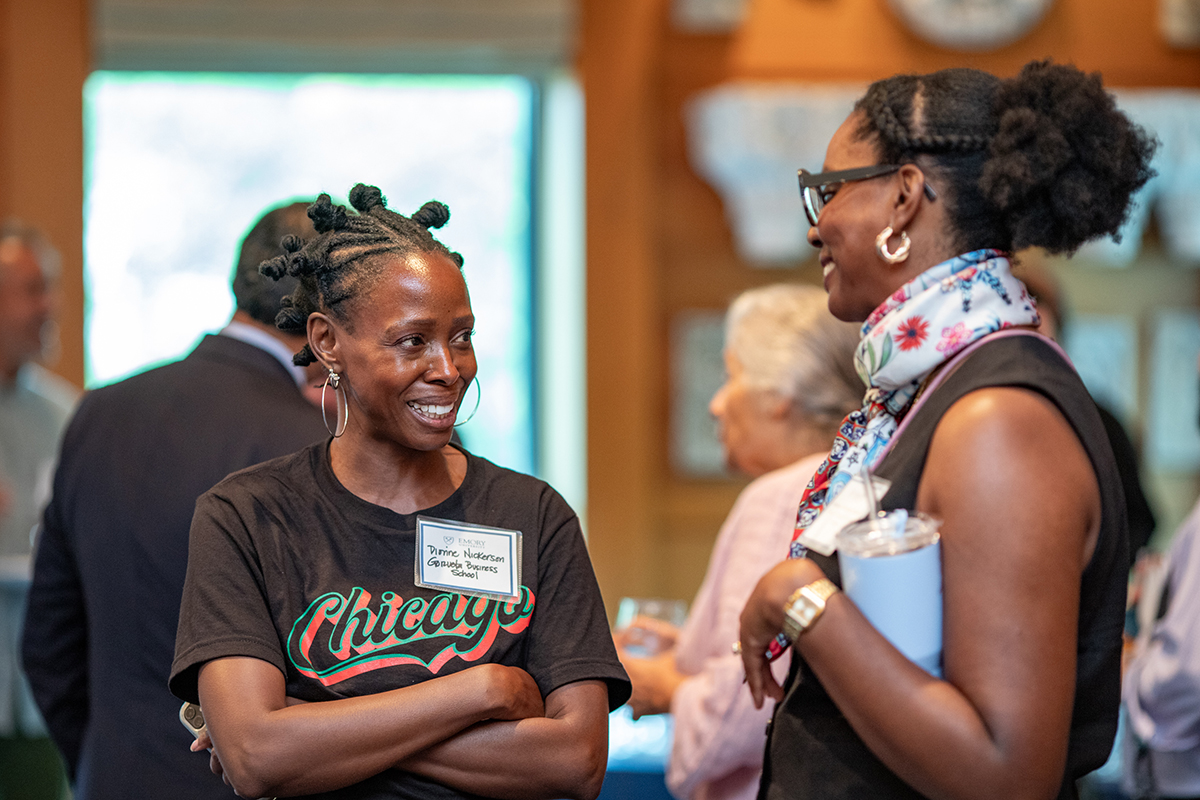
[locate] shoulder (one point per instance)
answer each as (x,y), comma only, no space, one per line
(512,499)
(996,414)
(1005,453)
(286,476)
(992,432)
(493,478)
(785,479)
(55,392)
(235,360)
(54,388)
(1012,383)
(783,485)
(142,388)
(131,387)
(222,381)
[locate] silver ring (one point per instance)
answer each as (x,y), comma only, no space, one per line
(736,648)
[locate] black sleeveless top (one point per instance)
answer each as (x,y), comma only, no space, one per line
(812,752)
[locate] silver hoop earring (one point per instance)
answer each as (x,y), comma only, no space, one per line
(339,397)
(881,246)
(478,397)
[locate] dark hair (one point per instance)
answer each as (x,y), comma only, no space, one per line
(256,294)
(1042,159)
(346,256)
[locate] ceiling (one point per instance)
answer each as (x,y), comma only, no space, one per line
(457,36)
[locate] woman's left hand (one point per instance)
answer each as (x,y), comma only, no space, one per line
(762,621)
(654,680)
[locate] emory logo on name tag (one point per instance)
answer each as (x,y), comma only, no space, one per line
(468,559)
(849,506)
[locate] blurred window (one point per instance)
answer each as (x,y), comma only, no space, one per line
(180,165)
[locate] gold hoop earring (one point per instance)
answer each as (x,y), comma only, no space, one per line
(881,246)
(478,397)
(339,396)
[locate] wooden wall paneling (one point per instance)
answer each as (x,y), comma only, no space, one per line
(625,339)
(43,64)
(864,40)
(346,36)
(701,270)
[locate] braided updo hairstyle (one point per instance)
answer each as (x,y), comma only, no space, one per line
(1042,159)
(348,254)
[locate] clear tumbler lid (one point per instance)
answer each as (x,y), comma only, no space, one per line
(890,533)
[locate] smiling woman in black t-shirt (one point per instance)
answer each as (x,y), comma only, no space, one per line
(323,665)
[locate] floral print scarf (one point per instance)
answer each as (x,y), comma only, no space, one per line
(920,327)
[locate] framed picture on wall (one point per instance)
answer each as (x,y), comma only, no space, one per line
(1173,433)
(697,371)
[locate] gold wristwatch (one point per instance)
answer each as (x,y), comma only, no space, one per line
(805,605)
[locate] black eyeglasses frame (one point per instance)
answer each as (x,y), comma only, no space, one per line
(814,185)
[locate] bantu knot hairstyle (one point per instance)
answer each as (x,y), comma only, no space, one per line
(344,259)
(1042,159)
(255,294)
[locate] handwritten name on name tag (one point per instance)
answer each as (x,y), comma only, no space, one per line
(469,559)
(849,506)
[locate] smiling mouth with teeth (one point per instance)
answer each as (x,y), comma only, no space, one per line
(828,269)
(432,411)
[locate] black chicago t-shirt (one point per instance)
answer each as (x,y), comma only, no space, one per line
(288,566)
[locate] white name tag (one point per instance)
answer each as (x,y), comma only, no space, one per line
(849,506)
(469,559)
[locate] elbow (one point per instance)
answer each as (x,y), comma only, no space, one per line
(586,774)
(246,767)
(593,764)
(250,787)
(246,783)
(1018,784)
(591,782)
(1047,791)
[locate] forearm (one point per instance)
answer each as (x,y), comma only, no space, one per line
(276,749)
(562,755)
(924,729)
(996,727)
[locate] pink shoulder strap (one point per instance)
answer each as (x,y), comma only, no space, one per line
(959,357)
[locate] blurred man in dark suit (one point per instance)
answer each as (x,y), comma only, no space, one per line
(100,631)
(35,405)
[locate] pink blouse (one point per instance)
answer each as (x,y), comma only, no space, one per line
(717,752)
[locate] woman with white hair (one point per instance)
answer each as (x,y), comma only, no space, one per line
(790,379)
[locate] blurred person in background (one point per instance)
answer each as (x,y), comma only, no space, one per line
(34,407)
(108,578)
(1052,308)
(1161,690)
(790,380)
(1160,748)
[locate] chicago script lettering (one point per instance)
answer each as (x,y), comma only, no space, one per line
(339,636)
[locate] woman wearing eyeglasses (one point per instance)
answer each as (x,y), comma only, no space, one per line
(929,186)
